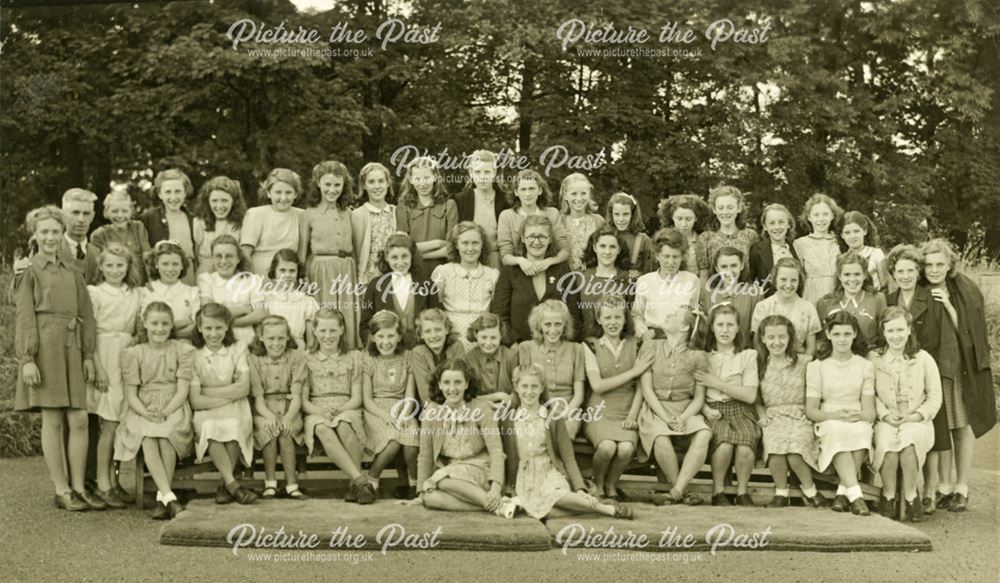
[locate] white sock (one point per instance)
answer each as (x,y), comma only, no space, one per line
(853,493)
(374,482)
(291,488)
(781,492)
(841,490)
(962,489)
(810,491)
(159,496)
(169,497)
(413,481)
(945,489)
(270,483)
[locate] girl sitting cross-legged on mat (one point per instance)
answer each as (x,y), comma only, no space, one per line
(460,464)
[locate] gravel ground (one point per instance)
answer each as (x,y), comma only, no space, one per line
(45,544)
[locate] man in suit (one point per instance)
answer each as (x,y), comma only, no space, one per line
(482,201)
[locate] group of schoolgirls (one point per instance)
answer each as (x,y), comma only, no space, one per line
(171,368)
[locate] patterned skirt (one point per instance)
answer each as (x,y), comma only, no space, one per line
(787,431)
(352,418)
(265,432)
(954,404)
(540,485)
(737,426)
(378,432)
(651,426)
(336,278)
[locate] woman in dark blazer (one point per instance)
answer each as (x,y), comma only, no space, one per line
(970,403)
(380,295)
(935,334)
(517,293)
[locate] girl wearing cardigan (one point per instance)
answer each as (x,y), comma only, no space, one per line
(541,467)
(460,464)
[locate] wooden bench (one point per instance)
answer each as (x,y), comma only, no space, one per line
(320,474)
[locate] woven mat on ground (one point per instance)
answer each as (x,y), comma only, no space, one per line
(204,523)
(737,528)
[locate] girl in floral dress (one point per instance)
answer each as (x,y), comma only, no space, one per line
(577,205)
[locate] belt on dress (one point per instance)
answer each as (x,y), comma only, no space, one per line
(341,254)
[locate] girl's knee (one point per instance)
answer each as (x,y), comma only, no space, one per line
(626,449)
(663,445)
(744,452)
(605,448)
(702,438)
(77,420)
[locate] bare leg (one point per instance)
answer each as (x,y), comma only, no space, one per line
(383,459)
(965,442)
(154,463)
(666,458)
(626,451)
(722,459)
(410,455)
(577,503)
(779,470)
(464,491)
(169,457)
(221,460)
(693,459)
(337,452)
(911,472)
(945,459)
(105,451)
(52,448)
(931,478)
(573,427)
(859,460)
(890,465)
(603,453)
(744,467)
(350,441)
(440,500)
(847,471)
(286,445)
(79,440)
(802,470)
(270,455)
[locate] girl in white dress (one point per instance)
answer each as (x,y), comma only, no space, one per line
(234,287)
(166,265)
(840,400)
(220,385)
(116,309)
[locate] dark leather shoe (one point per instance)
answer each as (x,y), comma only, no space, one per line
(859,507)
(778,502)
(816,501)
(623,511)
(887,507)
(721,499)
(352,493)
(70,501)
(110,498)
(161,512)
(222,495)
(744,500)
(173,509)
(915,510)
(243,495)
(123,495)
(94,502)
(959,503)
(366,492)
(840,504)
(929,505)
(942,501)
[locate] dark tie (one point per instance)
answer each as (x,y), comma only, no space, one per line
(79,251)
